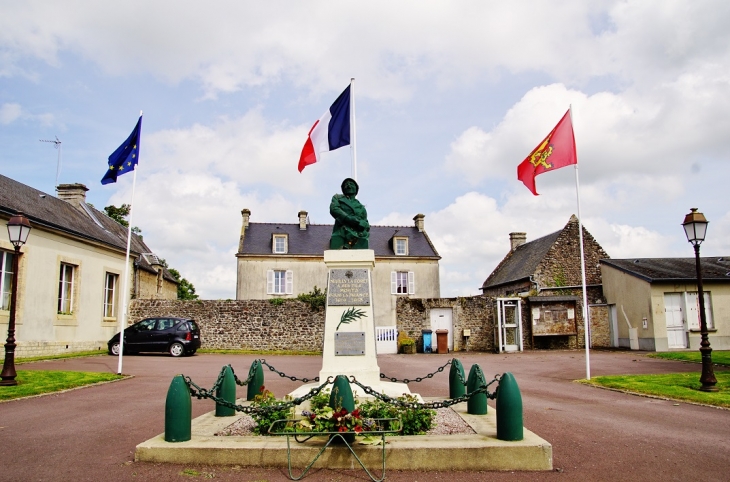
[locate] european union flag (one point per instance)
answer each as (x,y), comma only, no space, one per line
(125,158)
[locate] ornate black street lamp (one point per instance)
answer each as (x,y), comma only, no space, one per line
(18,230)
(695,227)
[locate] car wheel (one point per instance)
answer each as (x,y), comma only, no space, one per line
(176,349)
(114,349)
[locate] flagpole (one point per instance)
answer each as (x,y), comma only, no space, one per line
(125,290)
(586,309)
(353,130)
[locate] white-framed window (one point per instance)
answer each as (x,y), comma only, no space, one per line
(693,310)
(400,246)
(6,278)
(66,289)
(110,291)
(402,283)
(279,244)
(279,282)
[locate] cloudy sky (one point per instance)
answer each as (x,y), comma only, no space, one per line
(450,98)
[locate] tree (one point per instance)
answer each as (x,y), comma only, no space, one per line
(185,289)
(119,214)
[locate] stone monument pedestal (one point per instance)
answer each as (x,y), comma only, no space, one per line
(349,329)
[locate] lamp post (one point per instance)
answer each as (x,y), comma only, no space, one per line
(695,227)
(18,230)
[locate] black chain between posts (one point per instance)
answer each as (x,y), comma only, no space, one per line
(420,379)
(430,405)
(251,374)
(284,375)
(199,393)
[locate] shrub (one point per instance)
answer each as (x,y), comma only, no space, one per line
(264,420)
(415,420)
(316,298)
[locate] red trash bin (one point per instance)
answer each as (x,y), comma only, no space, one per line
(442,341)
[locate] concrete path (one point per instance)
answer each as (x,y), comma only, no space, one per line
(91,433)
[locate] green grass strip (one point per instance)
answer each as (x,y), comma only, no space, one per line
(720,357)
(258,352)
(59,356)
(675,386)
(37,382)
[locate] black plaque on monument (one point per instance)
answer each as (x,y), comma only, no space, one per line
(348,287)
(349,343)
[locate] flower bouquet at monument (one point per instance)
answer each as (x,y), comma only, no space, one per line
(328,419)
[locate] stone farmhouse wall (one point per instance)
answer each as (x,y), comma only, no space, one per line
(244,324)
(292,325)
(475,313)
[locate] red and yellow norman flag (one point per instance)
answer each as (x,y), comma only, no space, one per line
(555,151)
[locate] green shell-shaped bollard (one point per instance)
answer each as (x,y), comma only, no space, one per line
(227,392)
(256,374)
(341,397)
(509,409)
(178,411)
(477,404)
(456,379)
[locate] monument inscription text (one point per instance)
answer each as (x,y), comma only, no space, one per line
(350,343)
(348,287)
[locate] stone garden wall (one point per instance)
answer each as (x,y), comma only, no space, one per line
(292,325)
(249,324)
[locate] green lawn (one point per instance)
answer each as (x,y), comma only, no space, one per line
(720,357)
(675,386)
(36,382)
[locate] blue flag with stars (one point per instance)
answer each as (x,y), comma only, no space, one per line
(125,158)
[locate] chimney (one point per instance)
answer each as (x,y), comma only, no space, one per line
(303,220)
(516,240)
(245,214)
(418,218)
(74,194)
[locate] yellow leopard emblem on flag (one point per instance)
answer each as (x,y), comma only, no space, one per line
(539,157)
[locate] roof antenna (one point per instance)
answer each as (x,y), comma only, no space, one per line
(57,143)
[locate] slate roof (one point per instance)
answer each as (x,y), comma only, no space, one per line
(316,238)
(673,269)
(522,262)
(48,211)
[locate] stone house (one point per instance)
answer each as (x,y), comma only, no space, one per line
(70,271)
(282,260)
(654,305)
(545,275)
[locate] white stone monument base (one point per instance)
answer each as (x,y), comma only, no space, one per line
(388,388)
(344,293)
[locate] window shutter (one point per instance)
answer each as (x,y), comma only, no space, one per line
(270,282)
(708,312)
(393,283)
(289,282)
(411,283)
(693,313)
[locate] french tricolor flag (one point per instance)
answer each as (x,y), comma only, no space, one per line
(330,132)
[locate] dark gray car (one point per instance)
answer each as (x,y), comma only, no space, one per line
(178,336)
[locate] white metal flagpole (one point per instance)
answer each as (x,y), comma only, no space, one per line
(586,309)
(353,136)
(125,290)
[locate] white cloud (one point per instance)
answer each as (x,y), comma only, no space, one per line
(9,113)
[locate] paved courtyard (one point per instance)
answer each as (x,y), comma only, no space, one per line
(90,434)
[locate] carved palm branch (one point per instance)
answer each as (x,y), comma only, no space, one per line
(349,316)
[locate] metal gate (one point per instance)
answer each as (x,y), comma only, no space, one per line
(386,340)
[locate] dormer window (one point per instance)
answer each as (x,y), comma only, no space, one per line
(280,244)
(400,246)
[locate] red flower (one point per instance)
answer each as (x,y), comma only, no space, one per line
(342,429)
(356,413)
(358,429)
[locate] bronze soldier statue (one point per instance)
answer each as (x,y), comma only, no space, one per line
(351,230)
